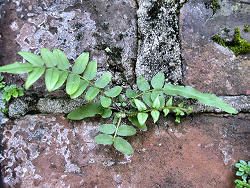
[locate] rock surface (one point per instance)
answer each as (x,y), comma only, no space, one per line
(208,66)
(51,151)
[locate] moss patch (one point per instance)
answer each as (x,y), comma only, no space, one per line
(246,28)
(213,4)
(238,45)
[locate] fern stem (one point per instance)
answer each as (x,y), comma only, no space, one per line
(149,110)
(117,126)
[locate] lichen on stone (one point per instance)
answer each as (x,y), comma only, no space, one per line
(238,45)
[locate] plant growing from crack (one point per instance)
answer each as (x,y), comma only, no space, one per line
(136,105)
(244,173)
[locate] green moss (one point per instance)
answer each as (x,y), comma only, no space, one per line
(213,4)
(238,45)
(246,28)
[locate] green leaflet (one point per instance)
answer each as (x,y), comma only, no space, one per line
(147,99)
(113,92)
(140,105)
(88,110)
(82,86)
(205,98)
(34,76)
(61,58)
(32,58)
(131,93)
(125,130)
(81,63)
(161,97)
(142,84)
(17,68)
(158,80)
(107,128)
(166,111)
(49,58)
(104,139)
(156,103)
(105,101)
(62,78)
(169,103)
(51,78)
(135,122)
(104,80)
(91,93)
(142,118)
(123,146)
(155,115)
(90,72)
(72,84)
(106,113)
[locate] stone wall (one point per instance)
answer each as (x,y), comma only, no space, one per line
(41,148)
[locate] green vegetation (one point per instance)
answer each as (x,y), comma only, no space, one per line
(246,28)
(8,92)
(238,45)
(213,4)
(150,99)
(244,173)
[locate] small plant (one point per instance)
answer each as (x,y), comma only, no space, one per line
(136,105)
(238,45)
(244,173)
(246,28)
(8,92)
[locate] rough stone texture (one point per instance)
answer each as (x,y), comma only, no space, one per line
(208,66)
(74,27)
(159,46)
(51,151)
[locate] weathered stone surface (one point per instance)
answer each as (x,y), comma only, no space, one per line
(208,66)
(159,46)
(51,151)
(74,27)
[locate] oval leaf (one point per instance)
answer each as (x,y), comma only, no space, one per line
(88,110)
(113,92)
(61,58)
(142,84)
(123,146)
(158,80)
(90,72)
(131,93)
(155,115)
(49,58)
(156,103)
(135,122)
(34,76)
(166,111)
(81,63)
(105,101)
(106,113)
(91,93)
(125,130)
(51,78)
(17,68)
(140,105)
(62,78)
(104,80)
(142,118)
(169,103)
(107,128)
(104,139)
(32,58)
(83,85)
(72,84)
(147,99)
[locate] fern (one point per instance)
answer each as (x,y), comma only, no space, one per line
(150,99)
